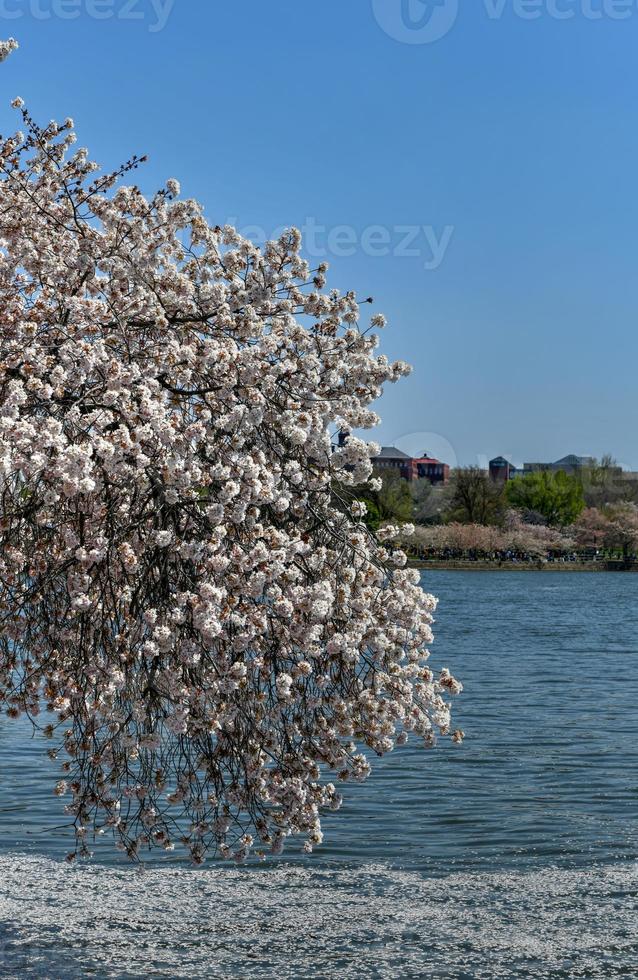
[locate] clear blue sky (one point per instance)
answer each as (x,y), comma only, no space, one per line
(519,134)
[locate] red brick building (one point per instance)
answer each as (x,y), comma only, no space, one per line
(431,469)
(411,468)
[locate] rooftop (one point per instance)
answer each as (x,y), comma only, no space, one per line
(426,458)
(391,452)
(573,460)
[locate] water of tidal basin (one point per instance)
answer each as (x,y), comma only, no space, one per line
(549,768)
(545,785)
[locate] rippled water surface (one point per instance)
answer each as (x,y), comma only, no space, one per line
(511,855)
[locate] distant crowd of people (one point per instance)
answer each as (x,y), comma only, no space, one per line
(513,557)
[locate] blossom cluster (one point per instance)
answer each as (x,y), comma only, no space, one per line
(7,48)
(614,527)
(208,636)
(514,536)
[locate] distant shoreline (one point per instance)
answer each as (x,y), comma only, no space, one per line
(513,566)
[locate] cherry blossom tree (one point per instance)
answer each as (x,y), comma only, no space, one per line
(209,636)
(535,540)
(515,537)
(622,531)
(592,528)
(614,528)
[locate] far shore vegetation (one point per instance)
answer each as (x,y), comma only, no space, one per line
(540,517)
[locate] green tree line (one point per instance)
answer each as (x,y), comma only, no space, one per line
(555,499)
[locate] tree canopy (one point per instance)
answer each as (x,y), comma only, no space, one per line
(557,496)
(206,633)
(476,499)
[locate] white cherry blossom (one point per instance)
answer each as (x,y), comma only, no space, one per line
(185,586)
